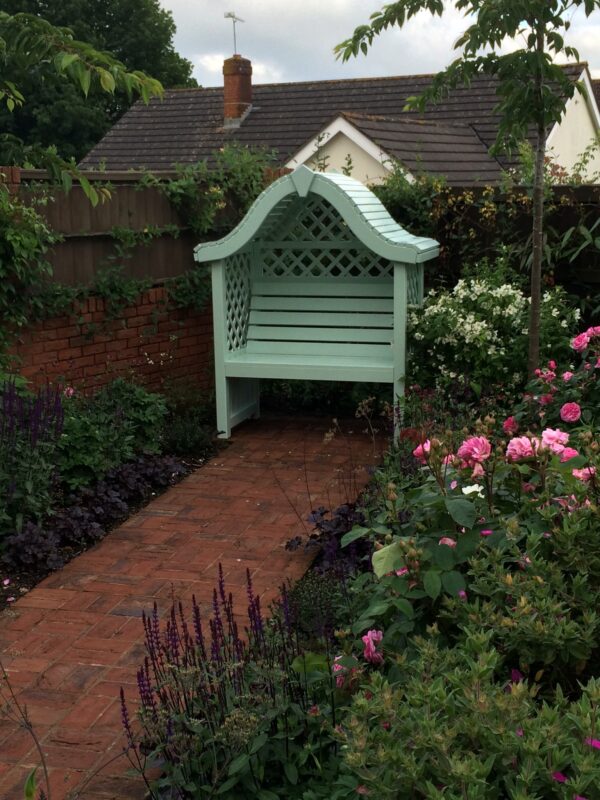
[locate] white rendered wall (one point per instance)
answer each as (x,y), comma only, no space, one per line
(575,131)
(335,150)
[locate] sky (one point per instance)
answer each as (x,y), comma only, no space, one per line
(293,40)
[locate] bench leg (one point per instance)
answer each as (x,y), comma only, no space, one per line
(398,393)
(223,404)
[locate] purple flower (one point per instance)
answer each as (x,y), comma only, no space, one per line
(559,777)
(595,743)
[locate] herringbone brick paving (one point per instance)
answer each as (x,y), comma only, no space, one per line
(73,641)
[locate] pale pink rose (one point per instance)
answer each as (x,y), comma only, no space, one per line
(510,426)
(519,448)
(422,451)
(478,471)
(474,450)
(568,453)
(448,460)
(566,376)
(554,440)
(370,640)
(447,541)
(453,484)
(570,412)
(585,474)
(579,343)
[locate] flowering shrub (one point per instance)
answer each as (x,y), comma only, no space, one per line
(450,726)
(476,335)
(233,716)
(566,393)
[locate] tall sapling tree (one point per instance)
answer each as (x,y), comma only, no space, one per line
(532,89)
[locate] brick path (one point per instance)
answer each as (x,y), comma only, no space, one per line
(74,640)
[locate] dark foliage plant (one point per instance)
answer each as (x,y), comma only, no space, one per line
(89,513)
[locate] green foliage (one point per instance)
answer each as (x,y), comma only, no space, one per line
(214,197)
(108,429)
(475,336)
(469,733)
(74,115)
(24,241)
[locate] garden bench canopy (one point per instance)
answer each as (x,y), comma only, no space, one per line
(313,284)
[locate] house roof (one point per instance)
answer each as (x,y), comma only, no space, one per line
(455,151)
(187,124)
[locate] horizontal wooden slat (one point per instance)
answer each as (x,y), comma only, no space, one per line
(356,351)
(363,304)
(342,370)
(322,319)
(299,334)
(378,287)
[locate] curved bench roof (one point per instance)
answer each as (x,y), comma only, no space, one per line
(359,208)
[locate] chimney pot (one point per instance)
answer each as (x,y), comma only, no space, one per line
(237,95)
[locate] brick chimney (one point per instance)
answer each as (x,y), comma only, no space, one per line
(237,96)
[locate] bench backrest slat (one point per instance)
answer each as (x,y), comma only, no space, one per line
(318,287)
(328,317)
(336,349)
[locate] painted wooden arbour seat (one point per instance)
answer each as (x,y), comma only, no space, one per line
(312,284)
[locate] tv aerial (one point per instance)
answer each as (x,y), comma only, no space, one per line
(234,18)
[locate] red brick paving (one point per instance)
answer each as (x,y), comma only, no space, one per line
(74,640)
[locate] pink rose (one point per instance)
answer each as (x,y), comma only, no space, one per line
(422,451)
(401,572)
(69,391)
(545,399)
(371,639)
(474,450)
(570,412)
(566,376)
(447,541)
(552,364)
(567,454)
(585,474)
(554,440)
(519,448)
(579,343)
(510,426)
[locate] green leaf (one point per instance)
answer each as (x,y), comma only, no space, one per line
(30,785)
(462,511)
(67,59)
(85,79)
(387,559)
(258,743)
(239,763)
(432,583)
(291,773)
(106,80)
(404,606)
(356,533)
(443,557)
(453,582)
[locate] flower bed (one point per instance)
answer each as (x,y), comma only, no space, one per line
(72,467)
(455,655)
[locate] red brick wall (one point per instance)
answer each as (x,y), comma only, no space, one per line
(147,343)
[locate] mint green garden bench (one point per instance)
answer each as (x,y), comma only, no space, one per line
(313,284)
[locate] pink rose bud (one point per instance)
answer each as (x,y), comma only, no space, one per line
(447,541)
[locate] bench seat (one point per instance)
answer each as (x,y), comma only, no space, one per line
(372,369)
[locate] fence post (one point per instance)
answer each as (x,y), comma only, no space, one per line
(11,177)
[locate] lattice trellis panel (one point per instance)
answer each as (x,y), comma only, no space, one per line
(319,221)
(414,284)
(237,298)
(322,262)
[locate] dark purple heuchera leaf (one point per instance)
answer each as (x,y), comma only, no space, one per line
(90,512)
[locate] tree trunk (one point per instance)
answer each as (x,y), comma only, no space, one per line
(538,220)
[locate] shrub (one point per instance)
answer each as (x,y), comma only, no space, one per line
(475,336)
(455,724)
(108,429)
